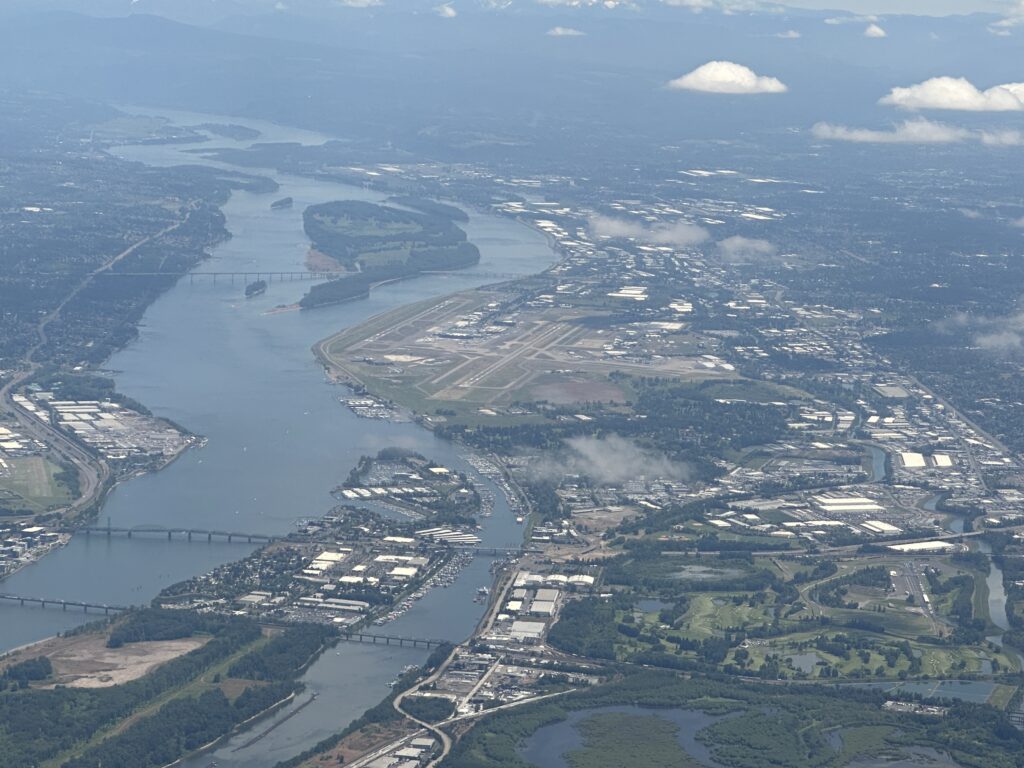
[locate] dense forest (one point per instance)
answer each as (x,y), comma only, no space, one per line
(38,724)
(364,235)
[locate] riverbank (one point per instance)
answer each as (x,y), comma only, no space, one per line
(207,358)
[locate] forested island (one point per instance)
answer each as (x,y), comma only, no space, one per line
(379,243)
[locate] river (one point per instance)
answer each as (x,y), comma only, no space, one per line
(279,440)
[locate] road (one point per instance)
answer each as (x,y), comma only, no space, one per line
(365,760)
(93,473)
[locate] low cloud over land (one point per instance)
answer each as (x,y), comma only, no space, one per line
(957,93)
(564,32)
(739,247)
(727,77)
(919,131)
(615,459)
(680,234)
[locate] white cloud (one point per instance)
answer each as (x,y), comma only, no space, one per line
(357,3)
(835,20)
(1005,138)
(564,32)
(727,77)
(957,93)
(1014,18)
(789,34)
(679,233)
(695,5)
(874,31)
(739,247)
(446,11)
(585,3)
(917,131)
(1019,223)
(1005,341)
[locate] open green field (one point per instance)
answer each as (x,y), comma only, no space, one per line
(31,483)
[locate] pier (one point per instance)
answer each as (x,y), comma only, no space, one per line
(186,534)
(63,604)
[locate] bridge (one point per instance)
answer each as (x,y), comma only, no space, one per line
(186,534)
(498,551)
(245,276)
(401,642)
(248,277)
(64,604)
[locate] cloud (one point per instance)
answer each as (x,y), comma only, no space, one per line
(874,31)
(357,3)
(680,234)
(957,93)
(1019,223)
(445,11)
(585,3)
(1007,138)
(694,5)
(726,77)
(564,32)
(1002,336)
(739,247)
(836,20)
(614,459)
(1014,18)
(789,34)
(917,131)
(1001,341)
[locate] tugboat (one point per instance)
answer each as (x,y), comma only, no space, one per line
(255,289)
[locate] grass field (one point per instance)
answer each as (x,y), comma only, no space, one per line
(30,482)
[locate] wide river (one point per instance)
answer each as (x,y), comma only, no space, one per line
(279,440)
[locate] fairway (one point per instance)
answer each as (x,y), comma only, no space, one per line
(30,483)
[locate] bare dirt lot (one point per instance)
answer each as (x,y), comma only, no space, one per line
(84,661)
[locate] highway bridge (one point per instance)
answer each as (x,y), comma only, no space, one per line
(200,534)
(232,276)
(270,277)
(63,604)
(187,534)
(402,642)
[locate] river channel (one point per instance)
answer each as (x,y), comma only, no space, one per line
(279,440)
